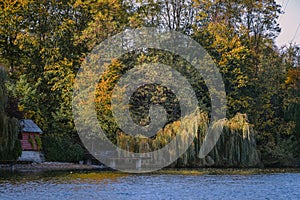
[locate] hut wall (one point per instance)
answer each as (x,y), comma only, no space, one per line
(25,141)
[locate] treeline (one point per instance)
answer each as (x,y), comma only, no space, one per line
(44,42)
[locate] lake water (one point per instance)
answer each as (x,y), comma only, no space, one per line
(113,185)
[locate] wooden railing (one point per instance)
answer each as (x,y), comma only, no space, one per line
(138,161)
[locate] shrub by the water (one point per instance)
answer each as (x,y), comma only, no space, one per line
(61,149)
(11,154)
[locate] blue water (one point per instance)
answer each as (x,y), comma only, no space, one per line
(104,185)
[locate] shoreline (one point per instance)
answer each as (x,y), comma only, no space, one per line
(73,167)
(49,167)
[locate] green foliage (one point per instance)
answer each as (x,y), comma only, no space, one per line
(38,142)
(32,142)
(10,146)
(8,154)
(282,154)
(61,149)
(35,141)
(36,42)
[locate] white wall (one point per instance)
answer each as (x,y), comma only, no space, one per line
(34,156)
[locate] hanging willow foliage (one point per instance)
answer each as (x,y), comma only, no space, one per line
(235,147)
(10,147)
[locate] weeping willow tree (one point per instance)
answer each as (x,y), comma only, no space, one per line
(10,147)
(236,146)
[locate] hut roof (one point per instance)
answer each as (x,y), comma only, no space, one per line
(28,125)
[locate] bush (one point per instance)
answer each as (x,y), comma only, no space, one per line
(283,154)
(61,149)
(11,154)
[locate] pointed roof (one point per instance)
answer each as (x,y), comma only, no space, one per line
(28,125)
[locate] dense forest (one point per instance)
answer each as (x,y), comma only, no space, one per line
(43,44)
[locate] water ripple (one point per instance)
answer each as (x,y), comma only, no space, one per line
(108,185)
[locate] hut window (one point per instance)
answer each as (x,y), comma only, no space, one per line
(20,136)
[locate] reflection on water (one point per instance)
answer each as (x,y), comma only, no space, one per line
(113,185)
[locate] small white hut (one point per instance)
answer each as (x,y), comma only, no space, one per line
(30,138)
